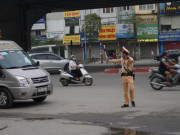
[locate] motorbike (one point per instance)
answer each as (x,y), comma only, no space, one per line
(158,81)
(67,78)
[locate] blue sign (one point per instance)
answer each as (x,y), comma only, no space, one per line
(169,36)
(124,31)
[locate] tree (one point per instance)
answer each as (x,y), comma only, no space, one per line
(91,26)
(47,41)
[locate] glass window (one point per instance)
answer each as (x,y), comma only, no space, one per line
(146,7)
(67,30)
(108,10)
(52,57)
(38,32)
(41,57)
(15,59)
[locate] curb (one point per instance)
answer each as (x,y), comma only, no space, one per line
(136,70)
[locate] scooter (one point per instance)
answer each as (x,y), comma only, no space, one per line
(158,81)
(67,78)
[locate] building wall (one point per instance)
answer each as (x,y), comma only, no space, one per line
(155,7)
(55,25)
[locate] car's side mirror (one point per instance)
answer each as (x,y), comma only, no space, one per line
(37,63)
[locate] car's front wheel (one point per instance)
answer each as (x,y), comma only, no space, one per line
(6,99)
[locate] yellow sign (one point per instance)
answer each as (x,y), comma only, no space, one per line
(75,40)
(72,14)
(107,32)
(148,40)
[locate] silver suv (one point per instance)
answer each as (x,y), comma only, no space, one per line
(20,77)
(50,62)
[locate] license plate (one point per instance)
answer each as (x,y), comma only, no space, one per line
(42,89)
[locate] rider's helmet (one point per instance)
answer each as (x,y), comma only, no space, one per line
(72,56)
(165,52)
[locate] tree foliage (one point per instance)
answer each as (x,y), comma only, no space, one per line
(91,26)
(48,41)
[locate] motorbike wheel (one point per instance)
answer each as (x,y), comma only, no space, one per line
(156,80)
(88,81)
(64,82)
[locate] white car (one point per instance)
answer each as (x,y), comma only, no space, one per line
(50,62)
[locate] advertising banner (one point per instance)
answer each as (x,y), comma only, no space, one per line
(172,8)
(72,15)
(39,25)
(58,35)
(75,40)
(107,32)
(169,36)
(124,31)
(147,31)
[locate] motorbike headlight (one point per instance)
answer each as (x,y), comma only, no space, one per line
(23,82)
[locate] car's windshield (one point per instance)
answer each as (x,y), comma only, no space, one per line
(15,59)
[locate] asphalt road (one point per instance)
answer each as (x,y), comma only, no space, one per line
(96,110)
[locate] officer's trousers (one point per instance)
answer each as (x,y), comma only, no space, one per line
(128,84)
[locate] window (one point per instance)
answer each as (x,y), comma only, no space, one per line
(146,7)
(126,8)
(52,57)
(108,10)
(38,32)
(40,57)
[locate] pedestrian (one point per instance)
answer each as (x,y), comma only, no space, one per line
(127,74)
(152,54)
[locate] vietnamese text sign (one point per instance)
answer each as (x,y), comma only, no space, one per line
(124,31)
(107,32)
(72,14)
(75,40)
(147,31)
(169,36)
(172,8)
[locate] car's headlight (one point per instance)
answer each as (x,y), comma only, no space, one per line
(23,82)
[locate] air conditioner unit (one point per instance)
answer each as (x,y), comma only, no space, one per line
(154,11)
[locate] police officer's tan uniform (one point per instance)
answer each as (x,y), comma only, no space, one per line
(127,78)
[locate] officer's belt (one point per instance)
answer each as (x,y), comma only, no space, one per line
(126,74)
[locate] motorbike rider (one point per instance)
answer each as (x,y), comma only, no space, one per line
(74,69)
(165,67)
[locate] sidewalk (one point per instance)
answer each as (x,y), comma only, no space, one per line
(142,65)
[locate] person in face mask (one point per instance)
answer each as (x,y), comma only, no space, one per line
(74,69)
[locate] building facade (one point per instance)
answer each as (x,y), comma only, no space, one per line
(169,26)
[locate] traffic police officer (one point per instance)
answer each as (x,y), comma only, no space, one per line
(127,76)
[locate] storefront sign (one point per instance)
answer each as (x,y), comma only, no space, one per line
(75,40)
(124,31)
(72,14)
(58,35)
(107,32)
(172,8)
(39,25)
(169,36)
(147,31)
